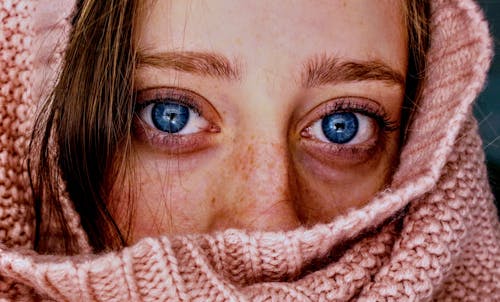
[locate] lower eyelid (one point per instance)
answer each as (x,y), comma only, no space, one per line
(173,144)
(338,155)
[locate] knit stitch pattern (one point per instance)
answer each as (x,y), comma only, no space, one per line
(432,235)
(16,217)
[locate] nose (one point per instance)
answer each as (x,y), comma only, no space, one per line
(259,191)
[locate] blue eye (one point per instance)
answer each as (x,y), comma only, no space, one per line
(170,117)
(340,128)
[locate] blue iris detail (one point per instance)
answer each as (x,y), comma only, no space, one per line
(341,127)
(170,117)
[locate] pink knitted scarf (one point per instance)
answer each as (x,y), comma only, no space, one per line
(432,234)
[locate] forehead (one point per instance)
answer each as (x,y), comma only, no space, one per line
(276,32)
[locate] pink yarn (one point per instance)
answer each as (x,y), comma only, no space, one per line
(443,245)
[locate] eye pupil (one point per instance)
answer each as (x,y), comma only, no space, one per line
(340,128)
(170,117)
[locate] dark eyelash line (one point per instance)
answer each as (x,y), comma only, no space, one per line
(168,98)
(381,116)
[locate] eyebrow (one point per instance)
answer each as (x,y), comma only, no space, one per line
(320,70)
(202,63)
(324,69)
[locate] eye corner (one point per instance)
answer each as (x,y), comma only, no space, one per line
(305,132)
(214,129)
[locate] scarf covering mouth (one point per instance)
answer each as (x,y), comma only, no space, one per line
(433,234)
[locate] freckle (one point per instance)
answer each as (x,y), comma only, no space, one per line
(212,201)
(241,200)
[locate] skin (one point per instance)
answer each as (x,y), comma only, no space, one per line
(257,165)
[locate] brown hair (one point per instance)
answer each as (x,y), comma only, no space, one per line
(86,122)
(84,138)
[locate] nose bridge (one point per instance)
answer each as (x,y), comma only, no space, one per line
(258,189)
(264,194)
(264,160)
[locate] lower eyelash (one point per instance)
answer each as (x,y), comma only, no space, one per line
(173,144)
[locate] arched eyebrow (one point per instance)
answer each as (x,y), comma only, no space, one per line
(324,70)
(318,71)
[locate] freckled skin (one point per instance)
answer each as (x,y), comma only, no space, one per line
(257,175)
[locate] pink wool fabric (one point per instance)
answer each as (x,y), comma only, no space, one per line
(432,234)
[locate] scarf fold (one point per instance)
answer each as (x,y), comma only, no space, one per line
(432,234)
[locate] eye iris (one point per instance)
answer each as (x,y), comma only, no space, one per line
(170,117)
(340,128)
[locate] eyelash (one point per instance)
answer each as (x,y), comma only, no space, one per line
(384,121)
(174,98)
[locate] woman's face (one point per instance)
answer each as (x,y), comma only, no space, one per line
(262,114)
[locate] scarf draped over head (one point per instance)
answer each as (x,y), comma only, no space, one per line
(432,234)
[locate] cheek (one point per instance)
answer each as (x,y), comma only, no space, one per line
(158,198)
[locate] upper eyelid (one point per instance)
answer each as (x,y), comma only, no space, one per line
(360,105)
(350,107)
(185,97)
(142,105)
(155,96)
(353,103)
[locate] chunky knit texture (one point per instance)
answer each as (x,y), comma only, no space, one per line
(432,234)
